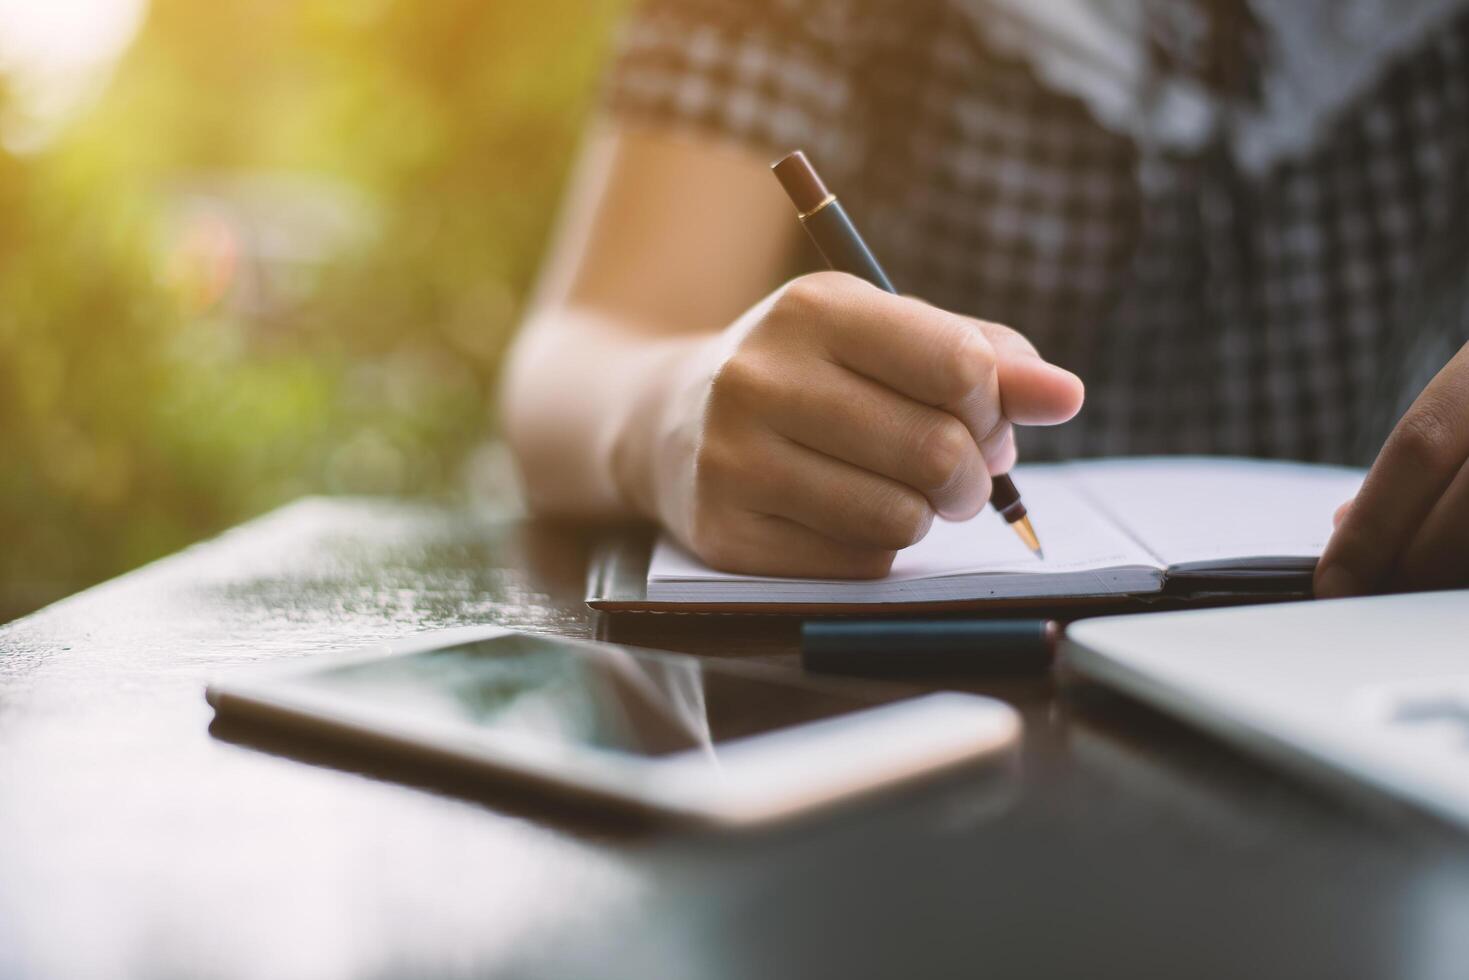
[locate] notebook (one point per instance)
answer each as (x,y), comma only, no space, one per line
(1110,528)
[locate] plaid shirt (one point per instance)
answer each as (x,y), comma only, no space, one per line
(1294,313)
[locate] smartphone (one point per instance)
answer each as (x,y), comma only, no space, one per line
(713,742)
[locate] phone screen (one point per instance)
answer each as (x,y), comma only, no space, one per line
(605,696)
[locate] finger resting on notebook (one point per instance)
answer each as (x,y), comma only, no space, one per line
(1438,555)
(762,544)
(1421,458)
(854,419)
(837,500)
(1366,545)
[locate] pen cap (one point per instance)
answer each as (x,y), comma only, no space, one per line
(826,221)
(802,183)
(916,647)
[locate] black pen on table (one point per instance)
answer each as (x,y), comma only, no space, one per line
(826,221)
(918,648)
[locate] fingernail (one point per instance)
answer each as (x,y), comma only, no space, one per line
(1071,377)
(1338,582)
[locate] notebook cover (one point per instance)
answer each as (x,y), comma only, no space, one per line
(617,582)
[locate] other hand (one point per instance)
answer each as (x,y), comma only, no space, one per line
(1408,527)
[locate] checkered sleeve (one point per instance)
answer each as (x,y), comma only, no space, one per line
(770,74)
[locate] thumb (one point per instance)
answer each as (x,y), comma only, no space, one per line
(1035,392)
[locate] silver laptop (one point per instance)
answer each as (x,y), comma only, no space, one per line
(1375,689)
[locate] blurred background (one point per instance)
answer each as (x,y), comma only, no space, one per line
(254,249)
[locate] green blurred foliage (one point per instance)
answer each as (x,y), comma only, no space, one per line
(179,350)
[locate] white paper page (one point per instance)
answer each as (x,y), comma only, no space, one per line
(1196,510)
(1077,539)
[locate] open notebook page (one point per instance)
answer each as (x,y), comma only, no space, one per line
(1086,554)
(1222,515)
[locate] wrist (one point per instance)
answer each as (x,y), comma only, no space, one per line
(658,428)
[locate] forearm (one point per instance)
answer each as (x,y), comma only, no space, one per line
(584,400)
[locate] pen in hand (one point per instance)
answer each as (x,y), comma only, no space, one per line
(826,221)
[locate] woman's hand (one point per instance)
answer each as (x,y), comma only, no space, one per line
(1408,527)
(823,431)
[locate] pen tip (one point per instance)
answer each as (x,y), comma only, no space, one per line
(1027,534)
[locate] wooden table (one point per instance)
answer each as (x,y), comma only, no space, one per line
(133,842)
